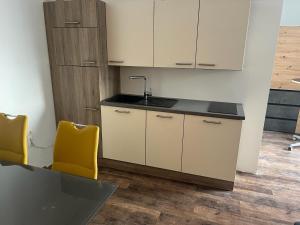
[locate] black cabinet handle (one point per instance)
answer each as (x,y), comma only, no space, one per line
(184,64)
(72,22)
(164,117)
(206,64)
(212,122)
(121,111)
(92,109)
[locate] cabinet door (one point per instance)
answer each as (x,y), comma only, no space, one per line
(76,47)
(89,12)
(68,13)
(175,33)
(87,95)
(130,32)
(63,85)
(210,147)
(76,94)
(164,140)
(76,13)
(123,134)
(222,34)
(89,47)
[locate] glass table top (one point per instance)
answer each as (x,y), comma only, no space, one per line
(35,196)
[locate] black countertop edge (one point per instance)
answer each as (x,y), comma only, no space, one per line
(183,106)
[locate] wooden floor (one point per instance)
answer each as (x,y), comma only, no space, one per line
(270,197)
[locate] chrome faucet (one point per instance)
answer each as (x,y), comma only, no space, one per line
(146,93)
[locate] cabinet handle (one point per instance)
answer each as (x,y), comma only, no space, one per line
(164,117)
(212,122)
(121,111)
(89,62)
(115,61)
(206,64)
(72,22)
(184,64)
(91,109)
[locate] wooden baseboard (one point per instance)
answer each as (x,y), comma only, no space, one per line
(167,174)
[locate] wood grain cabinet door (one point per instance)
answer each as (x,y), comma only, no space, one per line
(87,95)
(76,13)
(76,47)
(210,147)
(164,136)
(64,92)
(130,32)
(175,33)
(89,47)
(68,13)
(222,34)
(76,94)
(123,134)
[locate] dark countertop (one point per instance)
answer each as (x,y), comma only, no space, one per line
(183,106)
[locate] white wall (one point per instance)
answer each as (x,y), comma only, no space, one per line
(25,84)
(291,13)
(250,86)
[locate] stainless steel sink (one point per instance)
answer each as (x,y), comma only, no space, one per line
(140,100)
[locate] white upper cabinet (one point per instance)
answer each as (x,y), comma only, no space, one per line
(207,34)
(130,32)
(222,34)
(175,33)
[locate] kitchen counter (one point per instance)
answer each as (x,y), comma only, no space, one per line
(183,106)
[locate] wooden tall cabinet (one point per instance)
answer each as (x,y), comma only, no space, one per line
(81,78)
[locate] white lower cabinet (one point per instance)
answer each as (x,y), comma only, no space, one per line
(198,145)
(123,134)
(210,147)
(164,140)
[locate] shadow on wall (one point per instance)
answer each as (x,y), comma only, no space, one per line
(24,69)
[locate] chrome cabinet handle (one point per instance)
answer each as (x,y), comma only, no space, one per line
(212,122)
(164,117)
(206,64)
(72,22)
(91,109)
(184,64)
(89,62)
(115,61)
(121,111)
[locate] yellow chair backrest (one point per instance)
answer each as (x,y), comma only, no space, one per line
(75,150)
(13,139)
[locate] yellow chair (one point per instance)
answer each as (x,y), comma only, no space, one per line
(75,150)
(13,139)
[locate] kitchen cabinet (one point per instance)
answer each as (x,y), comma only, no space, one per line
(179,144)
(80,75)
(222,32)
(76,94)
(164,140)
(205,34)
(123,134)
(175,33)
(76,13)
(130,32)
(210,147)
(77,47)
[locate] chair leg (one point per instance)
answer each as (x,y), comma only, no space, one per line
(295,145)
(296,137)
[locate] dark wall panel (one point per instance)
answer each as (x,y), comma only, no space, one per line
(284,97)
(286,126)
(282,111)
